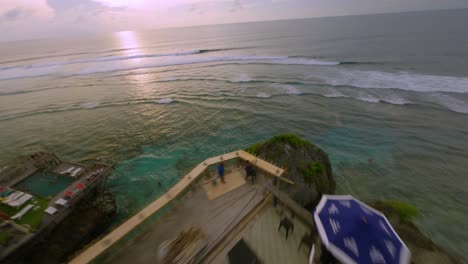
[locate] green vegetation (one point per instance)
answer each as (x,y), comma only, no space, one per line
(34,216)
(8,209)
(253,149)
(405,211)
(311,172)
(4,237)
(290,139)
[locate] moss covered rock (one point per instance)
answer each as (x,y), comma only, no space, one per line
(423,249)
(305,164)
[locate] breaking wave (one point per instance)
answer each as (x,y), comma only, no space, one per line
(369,98)
(164,101)
(263,95)
(399,80)
(83,106)
(286,88)
(175,59)
(107,58)
(244,77)
(89,105)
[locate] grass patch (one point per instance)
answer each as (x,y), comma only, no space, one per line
(8,209)
(34,216)
(4,237)
(405,211)
(311,172)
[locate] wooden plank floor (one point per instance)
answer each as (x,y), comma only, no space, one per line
(215,217)
(270,246)
(110,239)
(233,180)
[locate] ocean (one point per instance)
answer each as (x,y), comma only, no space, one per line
(386,96)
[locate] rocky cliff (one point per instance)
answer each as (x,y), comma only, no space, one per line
(309,167)
(304,163)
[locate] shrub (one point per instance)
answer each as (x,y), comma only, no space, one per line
(311,172)
(290,139)
(253,149)
(405,211)
(4,237)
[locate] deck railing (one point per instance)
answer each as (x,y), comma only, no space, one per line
(106,242)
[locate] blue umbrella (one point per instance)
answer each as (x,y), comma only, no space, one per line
(357,233)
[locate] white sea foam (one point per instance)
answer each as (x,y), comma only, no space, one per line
(335,94)
(89,105)
(263,95)
(164,101)
(244,77)
(450,102)
(399,80)
(368,99)
(288,89)
(94,68)
(109,58)
(307,61)
(396,100)
(391,99)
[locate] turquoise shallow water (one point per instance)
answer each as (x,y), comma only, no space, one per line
(158,103)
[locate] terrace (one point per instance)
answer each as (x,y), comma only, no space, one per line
(197,220)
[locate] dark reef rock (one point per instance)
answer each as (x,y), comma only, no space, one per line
(305,164)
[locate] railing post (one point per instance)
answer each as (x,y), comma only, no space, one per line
(207,172)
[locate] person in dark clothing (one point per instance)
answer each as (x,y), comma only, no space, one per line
(221,171)
(250,172)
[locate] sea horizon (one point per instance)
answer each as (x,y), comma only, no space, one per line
(388,88)
(235,23)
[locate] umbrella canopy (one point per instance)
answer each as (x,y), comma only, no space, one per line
(357,233)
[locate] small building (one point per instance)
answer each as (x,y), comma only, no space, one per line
(39,193)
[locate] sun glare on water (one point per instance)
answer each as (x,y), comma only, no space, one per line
(128,41)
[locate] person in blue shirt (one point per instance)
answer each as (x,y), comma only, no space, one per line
(221,171)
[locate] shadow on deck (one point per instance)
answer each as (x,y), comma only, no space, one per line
(205,221)
(214,209)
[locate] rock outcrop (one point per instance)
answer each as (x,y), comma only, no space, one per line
(423,250)
(305,164)
(309,167)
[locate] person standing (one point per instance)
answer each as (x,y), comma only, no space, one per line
(250,172)
(221,171)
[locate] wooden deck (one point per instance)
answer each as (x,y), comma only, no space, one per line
(110,239)
(233,180)
(270,246)
(216,218)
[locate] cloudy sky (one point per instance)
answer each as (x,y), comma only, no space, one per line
(26,19)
